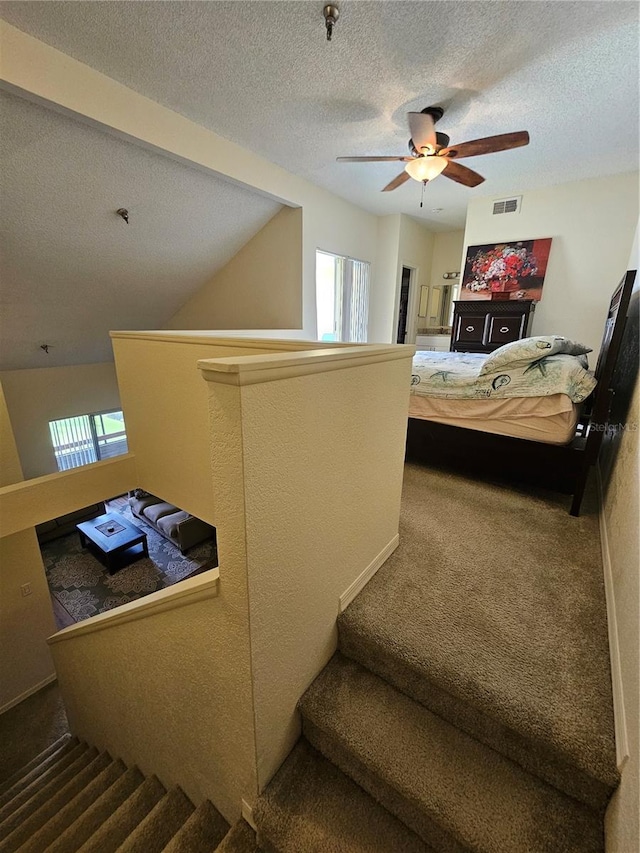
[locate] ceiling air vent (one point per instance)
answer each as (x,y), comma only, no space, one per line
(507,205)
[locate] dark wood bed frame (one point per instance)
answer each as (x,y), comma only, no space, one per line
(563,468)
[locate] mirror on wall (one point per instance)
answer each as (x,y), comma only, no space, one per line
(434,308)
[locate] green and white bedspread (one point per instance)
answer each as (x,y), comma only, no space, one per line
(456,375)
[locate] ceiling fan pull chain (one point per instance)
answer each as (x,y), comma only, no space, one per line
(424,183)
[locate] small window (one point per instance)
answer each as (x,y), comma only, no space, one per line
(342,298)
(88,438)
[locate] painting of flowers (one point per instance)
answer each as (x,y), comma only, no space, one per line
(514,270)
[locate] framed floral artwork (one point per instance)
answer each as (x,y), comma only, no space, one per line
(513,270)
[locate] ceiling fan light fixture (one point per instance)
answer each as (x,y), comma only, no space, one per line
(425,168)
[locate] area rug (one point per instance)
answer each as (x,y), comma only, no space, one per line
(84,587)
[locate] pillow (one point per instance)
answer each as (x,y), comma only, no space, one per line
(522,352)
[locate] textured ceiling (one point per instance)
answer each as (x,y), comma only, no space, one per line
(71,268)
(263,75)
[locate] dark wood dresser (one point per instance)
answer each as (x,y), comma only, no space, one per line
(485,325)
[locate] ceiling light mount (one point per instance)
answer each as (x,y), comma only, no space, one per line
(331,14)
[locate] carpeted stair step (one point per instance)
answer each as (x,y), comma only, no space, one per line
(37,765)
(41,791)
(64,758)
(116,828)
(89,822)
(501,630)
(312,806)
(455,792)
(53,804)
(164,820)
(409,675)
(58,823)
(201,833)
(240,839)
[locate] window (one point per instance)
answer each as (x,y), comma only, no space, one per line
(342,298)
(88,438)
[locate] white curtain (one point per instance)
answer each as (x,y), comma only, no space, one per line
(73,443)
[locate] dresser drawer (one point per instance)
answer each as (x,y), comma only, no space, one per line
(469,330)
(503,330)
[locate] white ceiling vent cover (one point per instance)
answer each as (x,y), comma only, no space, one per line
(507,205)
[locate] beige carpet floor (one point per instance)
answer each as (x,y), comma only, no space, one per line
(494,602)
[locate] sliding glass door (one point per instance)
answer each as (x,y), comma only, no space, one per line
(88,438)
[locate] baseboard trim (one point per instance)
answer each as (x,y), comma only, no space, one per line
(247,814)
(49,680)
(360,582)
(619,716)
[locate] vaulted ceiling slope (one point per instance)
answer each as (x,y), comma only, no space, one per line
(72,269)
(263,75)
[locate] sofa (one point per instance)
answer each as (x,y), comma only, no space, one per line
(176,525)
(65,524)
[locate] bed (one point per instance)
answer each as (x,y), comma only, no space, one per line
(540,418)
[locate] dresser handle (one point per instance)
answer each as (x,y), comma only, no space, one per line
(470,328)
(504,329)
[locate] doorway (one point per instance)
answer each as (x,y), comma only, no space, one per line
(403,305)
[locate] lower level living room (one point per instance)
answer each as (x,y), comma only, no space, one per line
(86,576)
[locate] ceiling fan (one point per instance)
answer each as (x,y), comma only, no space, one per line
(431,154)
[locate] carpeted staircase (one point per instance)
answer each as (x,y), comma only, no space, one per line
(467,710)
(72,798)
(469,705)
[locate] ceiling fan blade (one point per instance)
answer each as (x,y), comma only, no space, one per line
(373,159)
(398,181)
(422,130)
(462,175)
(487,145)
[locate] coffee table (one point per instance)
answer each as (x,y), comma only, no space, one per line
(111,535)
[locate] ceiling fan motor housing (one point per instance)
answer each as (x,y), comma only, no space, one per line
(436,113)
(442,141)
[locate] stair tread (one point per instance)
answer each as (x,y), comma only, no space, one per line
(119,825)
(56,802)
(518,657)
(86,824)
(311,806)
(58,823)
(63,759)
(204,829)
(39,760)
(436,778)
(240,839)
(46,791)
(164,820)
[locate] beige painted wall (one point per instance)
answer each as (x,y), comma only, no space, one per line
(35,397)
(383,293)
(172,694)
(592,223)
(261,286)
(166,411)
(291,465)
(415,250)
(315,450)
(25,621)
(10,468)
(447,255)
(621,513)
(31,502)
